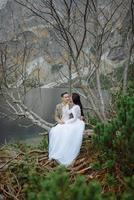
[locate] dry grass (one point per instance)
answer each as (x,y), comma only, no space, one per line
(82,165)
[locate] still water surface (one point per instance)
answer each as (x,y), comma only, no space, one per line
(43,102)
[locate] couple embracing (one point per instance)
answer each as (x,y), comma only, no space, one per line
(65,138)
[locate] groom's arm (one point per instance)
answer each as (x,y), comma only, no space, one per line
(57,115)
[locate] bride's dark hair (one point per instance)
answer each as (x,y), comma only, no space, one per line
(77,101)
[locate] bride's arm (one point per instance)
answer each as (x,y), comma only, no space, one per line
(75,111)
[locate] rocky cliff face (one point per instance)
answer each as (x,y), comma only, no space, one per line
(29,40)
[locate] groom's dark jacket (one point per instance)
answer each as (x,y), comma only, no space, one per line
(58,111)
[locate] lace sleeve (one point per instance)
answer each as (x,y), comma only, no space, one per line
(76,114)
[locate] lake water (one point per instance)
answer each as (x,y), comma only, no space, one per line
(42,102)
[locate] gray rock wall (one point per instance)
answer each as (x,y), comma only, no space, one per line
(20,30)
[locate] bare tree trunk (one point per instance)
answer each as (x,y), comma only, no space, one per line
(130,39)
(98,54)
(70,77)
(102,105)
(19,109)
(125,74)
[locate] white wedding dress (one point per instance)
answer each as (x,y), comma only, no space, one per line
(65,139)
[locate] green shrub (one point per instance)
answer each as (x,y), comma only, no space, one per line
(115,139)
(56,186)
(44,143)
(129,193)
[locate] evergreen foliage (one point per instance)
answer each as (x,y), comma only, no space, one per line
(57,186)
(115,139)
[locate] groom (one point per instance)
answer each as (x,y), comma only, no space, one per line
(62,107)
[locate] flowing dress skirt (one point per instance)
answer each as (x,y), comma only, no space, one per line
(65,141)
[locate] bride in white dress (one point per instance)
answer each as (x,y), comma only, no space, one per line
(65,139)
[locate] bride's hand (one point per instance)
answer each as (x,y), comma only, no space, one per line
(61,122)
